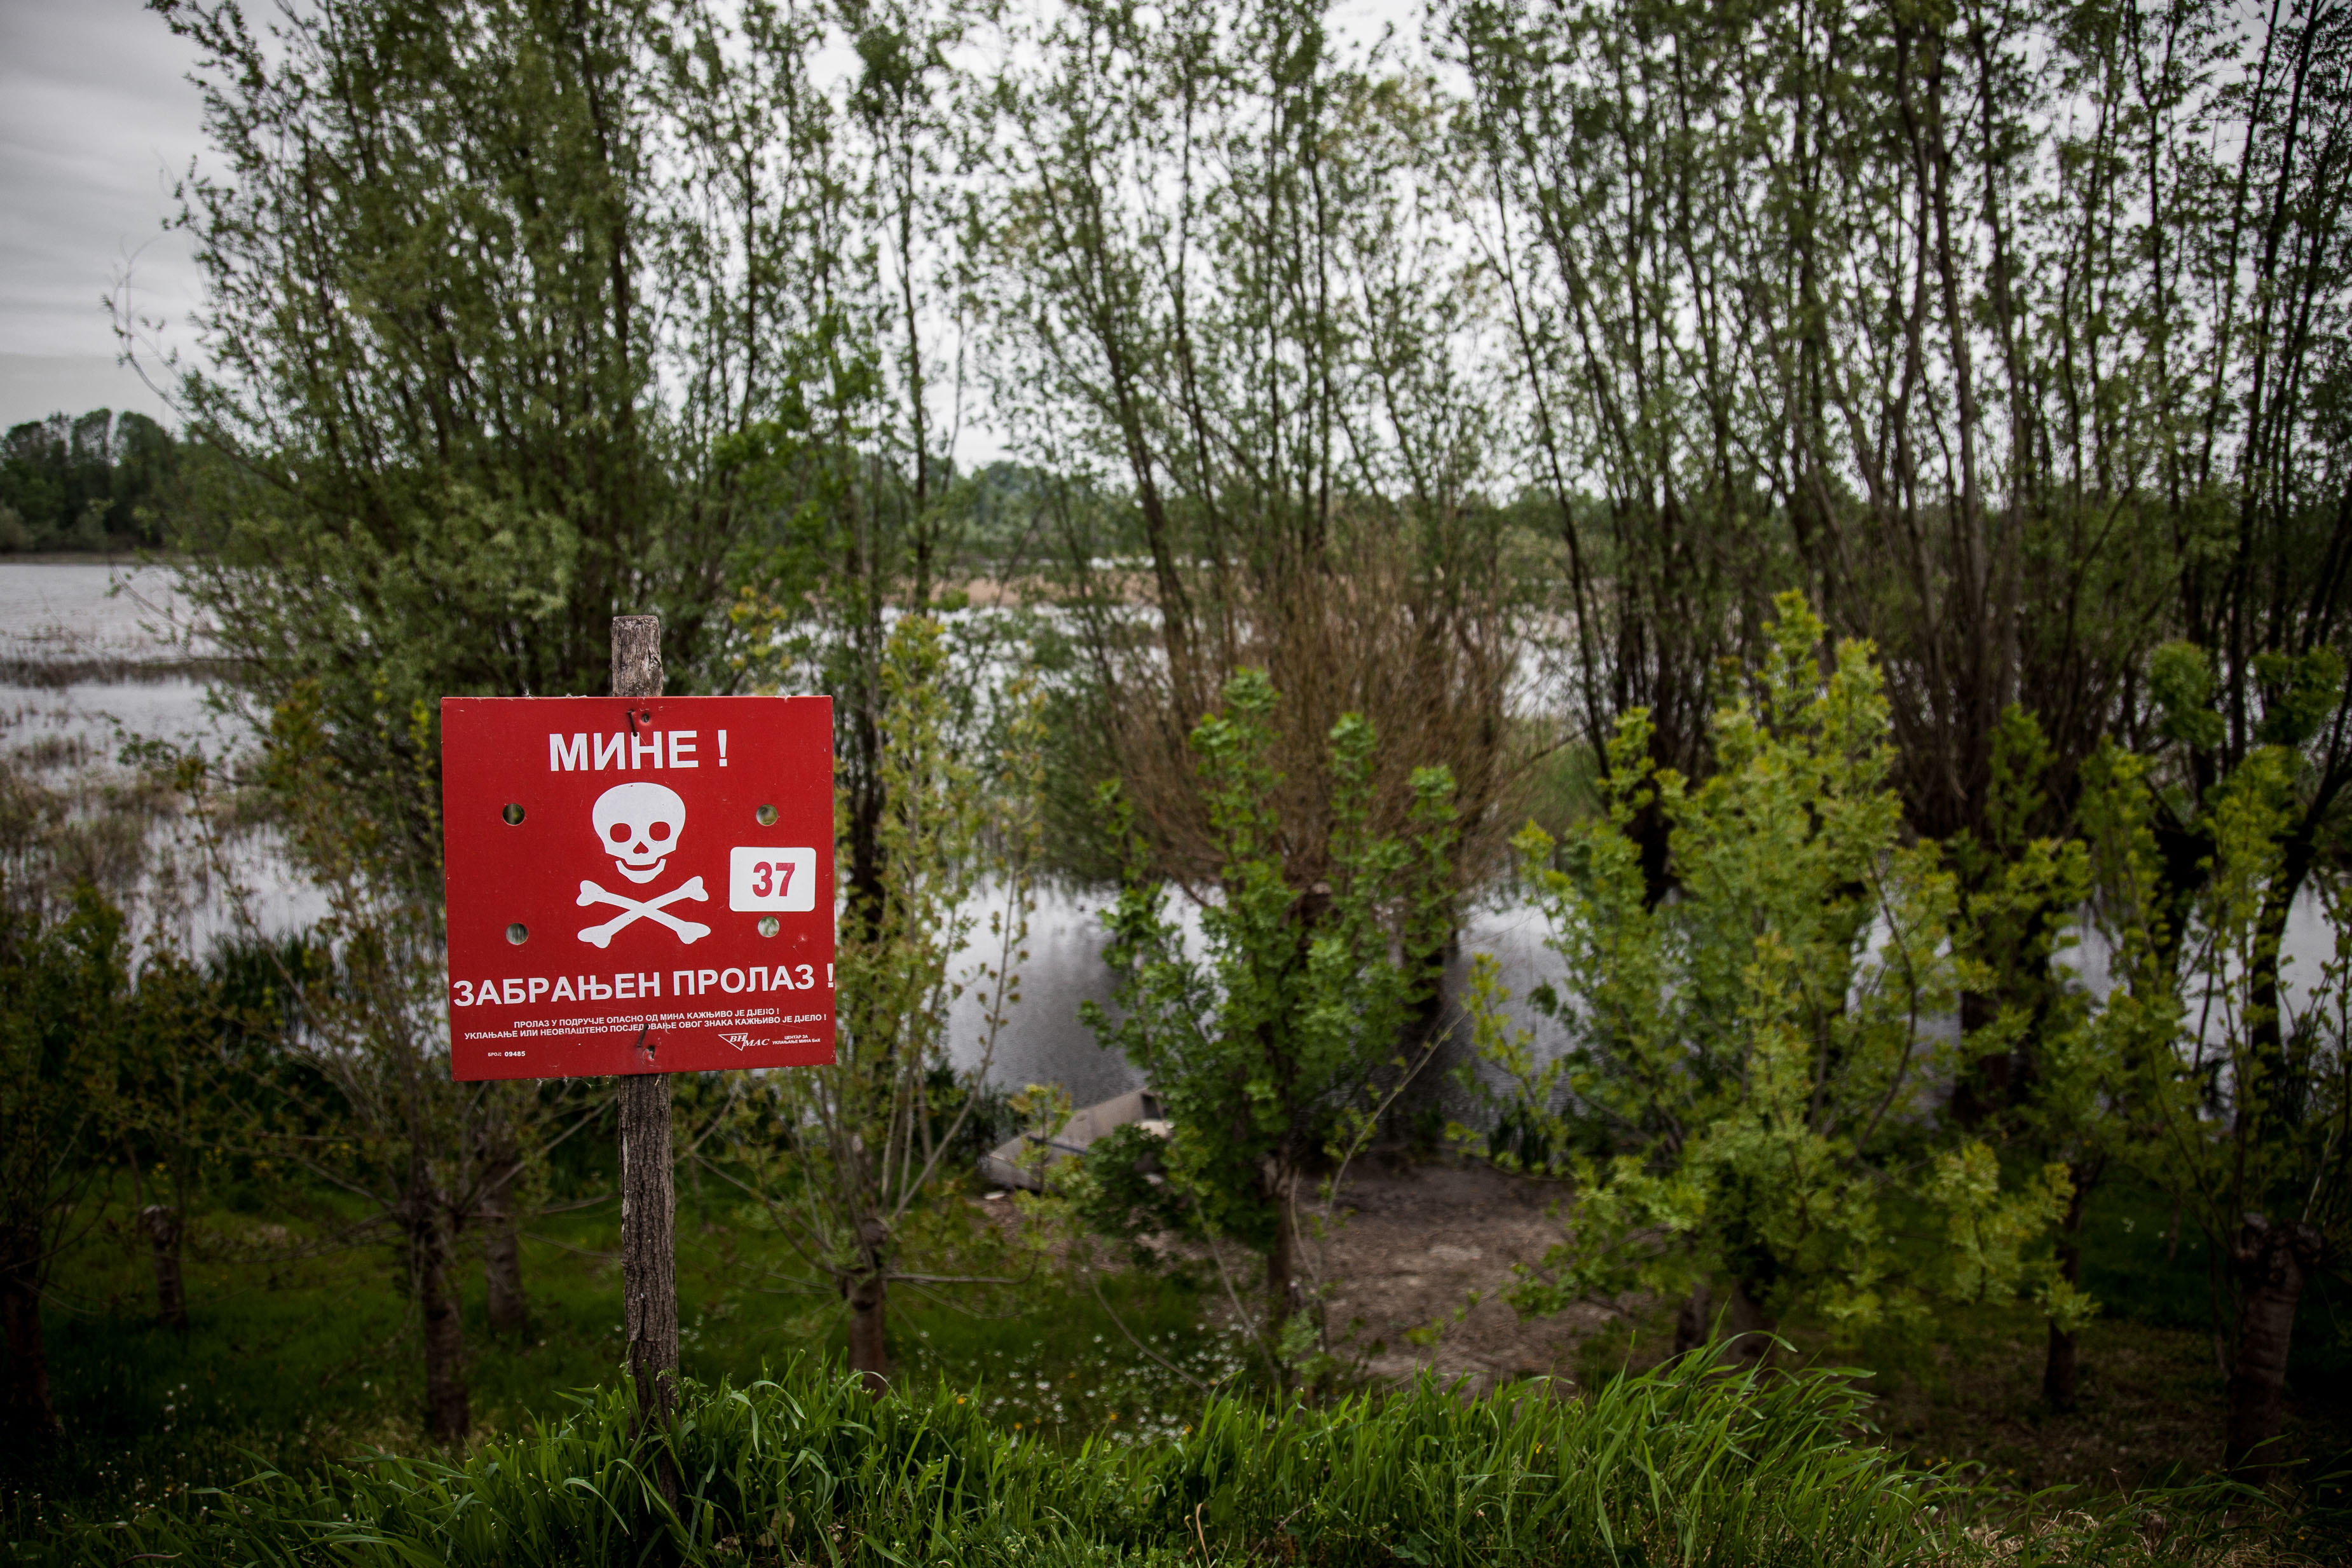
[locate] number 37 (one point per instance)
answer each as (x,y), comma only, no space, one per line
(767,876)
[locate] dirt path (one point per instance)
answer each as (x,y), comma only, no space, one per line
(1415,1243)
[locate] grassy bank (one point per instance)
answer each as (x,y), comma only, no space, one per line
(1673,1466)
(302,1354)
(282,1426)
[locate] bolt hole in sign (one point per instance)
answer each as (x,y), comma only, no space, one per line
(639,885)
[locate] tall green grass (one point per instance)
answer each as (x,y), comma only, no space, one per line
(1688,1464)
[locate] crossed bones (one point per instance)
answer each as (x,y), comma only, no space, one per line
(651,909)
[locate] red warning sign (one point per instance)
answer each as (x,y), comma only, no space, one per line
(637,884)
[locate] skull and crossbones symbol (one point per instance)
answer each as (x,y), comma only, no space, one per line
(638,825)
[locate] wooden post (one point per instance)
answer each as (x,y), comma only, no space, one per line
(648,1201)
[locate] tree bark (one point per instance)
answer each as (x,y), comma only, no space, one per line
(1750,1339)
(163,1237)
(2061,1366)
(500,1174)
(28,1354)
(1697,1316)
(2271,1260)
(2061,1363)
(867,1292)
(869,1346)
(447,1410)
(648,1254)
(502,1274)
(1281,1264)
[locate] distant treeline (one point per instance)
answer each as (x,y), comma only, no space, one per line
(101,482)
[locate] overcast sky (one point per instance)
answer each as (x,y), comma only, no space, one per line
(95,122)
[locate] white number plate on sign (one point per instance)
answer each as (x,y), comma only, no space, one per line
(781,880)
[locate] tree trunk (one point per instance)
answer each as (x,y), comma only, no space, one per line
(867,1292)
(501,1180)
(1694,1322)
(2060,1367)
(1419,1041)
(2271,1262)
(163,1237)
(649,1246)
(28,1354)
(1750,1339)
(447,1414)
(869,1346)
(1985,1087)
(502,1274)
(1281,1266)
(2061,1363)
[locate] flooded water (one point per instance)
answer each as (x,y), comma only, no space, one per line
(1042,1039)
(1045,1043)
(63,613)
(93,657)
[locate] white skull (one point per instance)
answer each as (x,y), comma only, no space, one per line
(638,825)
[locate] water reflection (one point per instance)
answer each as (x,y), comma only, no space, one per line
(94,658)
(1042,1040)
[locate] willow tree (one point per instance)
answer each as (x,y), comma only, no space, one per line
(1267,1047)
(1224,297)
(1230,320)
(2237,1102)
(2004,328)
(1746,1064)
(485,298)
(1962,318)
(64,979)
(847,1161)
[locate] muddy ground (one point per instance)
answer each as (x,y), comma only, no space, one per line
(1411,1247)
(2152,1404)
(1415,1241)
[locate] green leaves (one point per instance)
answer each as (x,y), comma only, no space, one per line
(1315,946)
(2204,1016)
(476,352)
(2180,683)
(64,1015)
(842,1158)
(1751,1052)
(2299,694)
(1988,1229)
